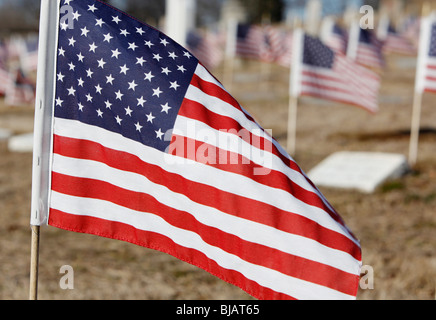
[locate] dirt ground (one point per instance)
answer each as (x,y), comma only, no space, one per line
(396,225)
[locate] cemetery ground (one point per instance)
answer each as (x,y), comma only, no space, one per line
(396,224)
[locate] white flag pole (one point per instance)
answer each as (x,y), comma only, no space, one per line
(42,136)
(230,53)
(294,89)
(424,47)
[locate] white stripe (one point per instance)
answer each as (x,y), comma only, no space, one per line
(202,174)
(245,229)
(266,277)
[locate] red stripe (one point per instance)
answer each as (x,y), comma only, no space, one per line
(226,202)
(156,241)
(251,252)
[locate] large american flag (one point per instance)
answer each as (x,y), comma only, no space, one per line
(149,148)
(330,75)
(426,69)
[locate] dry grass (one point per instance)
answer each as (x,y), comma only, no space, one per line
(396,224)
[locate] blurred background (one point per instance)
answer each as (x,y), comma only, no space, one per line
(396,224)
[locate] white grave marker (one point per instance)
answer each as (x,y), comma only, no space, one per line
(362,171)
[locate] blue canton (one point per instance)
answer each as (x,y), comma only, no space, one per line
(120,74)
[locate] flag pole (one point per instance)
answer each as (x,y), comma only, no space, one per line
(417,99)
(34,262)
(42,134)
(230,53)
(294,89)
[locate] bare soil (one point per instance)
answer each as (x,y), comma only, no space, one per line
(396,225)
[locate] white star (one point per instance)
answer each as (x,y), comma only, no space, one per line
(116,19)
(92,47)
(124,32)
(164,42)
(115,53)
(157,92)
(148,76)
(140,61)
(80,57)
(107,37)
(81,106)
(59,102)
(165,108)
(67,2)
(157,57)
(159,134)
(64,26)
(76,15)
(101,63)
(71,41)
(150,117)
(128,111)
(61,77)
(81,82)
(89,73)
(132,46)
(108,104)
(92,8)
(118,119)
(186,54)
(84,31)
(181,68)
(132,85)
(172,55)
(138,126)
(71,91)
(140,31)
(110,79)
(124,69)
(166,70)
(72,66)
(141,101)
(100,113)
(148,43)
(119,95)
(99,22)
(98,88)
(88,97)
(61,52)
(174,85)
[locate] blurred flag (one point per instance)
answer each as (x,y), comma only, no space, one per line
(6,80)
(29,54)
(397,43)
(334,36)
(19,90)
(364,47)
(426,68)
(252,43)
(326,74)
(149,148)
(206,47)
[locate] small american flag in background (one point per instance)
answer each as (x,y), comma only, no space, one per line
(130,104)
(337,39)
(330,75)
(426,77)
(369,50)
(396,42)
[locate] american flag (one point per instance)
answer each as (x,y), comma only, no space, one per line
(149,148)
(396,42)
(20,90)
(426,68)
(369,50)
(330,75)
(252,43)
(207,47)
(5,80)
(336,38)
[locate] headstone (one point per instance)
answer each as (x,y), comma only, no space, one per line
(362,171)
(21,143)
